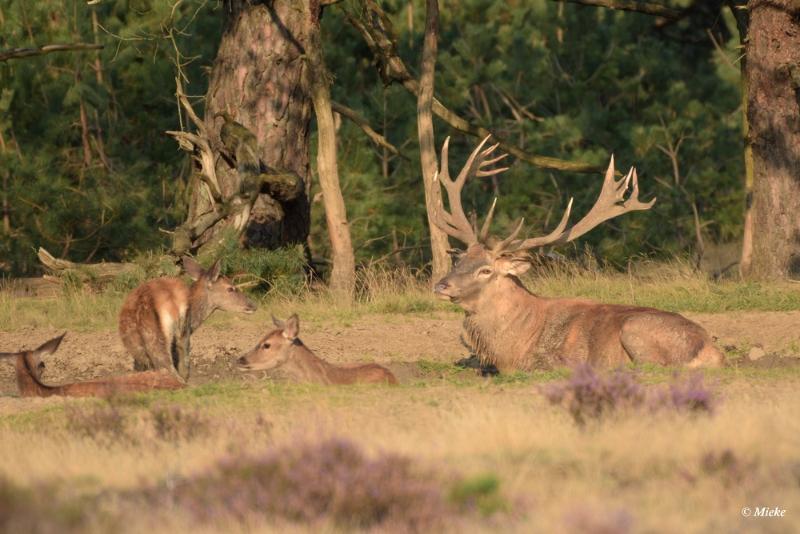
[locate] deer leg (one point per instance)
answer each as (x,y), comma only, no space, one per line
(180,355)
(157,348)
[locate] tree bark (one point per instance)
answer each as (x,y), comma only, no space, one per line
(773,113)
(427,147)
(259,81)
(343,273)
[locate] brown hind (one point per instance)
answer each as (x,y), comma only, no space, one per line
(282,349)
(158,317)
(29,366)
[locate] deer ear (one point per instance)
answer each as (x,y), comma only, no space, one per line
(292,327)
(192,268)
(277,322)
(213,272)
(51,346)
(512,265)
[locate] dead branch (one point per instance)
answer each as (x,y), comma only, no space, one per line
(94,271)
(376,31)
(362,123)
(635,6)
(19,53)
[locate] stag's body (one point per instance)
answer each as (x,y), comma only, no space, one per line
(513,329)
(28,367)
(509,327)
(282,349)
(158,317)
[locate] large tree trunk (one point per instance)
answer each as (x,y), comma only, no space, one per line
(343,273)
(259,81)
(773,76)
(427,148)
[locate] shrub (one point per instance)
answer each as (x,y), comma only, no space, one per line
(173,423)
(103,423)
(332,480)
(590,395)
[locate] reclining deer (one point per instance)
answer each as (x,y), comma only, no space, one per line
(512,328)
(159,317)
(29,367)
(282,349)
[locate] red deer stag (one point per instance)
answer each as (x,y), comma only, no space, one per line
(29,367)
(158,317)
(281,348)
(513,329)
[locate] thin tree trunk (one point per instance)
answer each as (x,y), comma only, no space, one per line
(343,273)
(773,112)
(427,147)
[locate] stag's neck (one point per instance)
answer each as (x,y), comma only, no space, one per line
(199,307)
(505,324)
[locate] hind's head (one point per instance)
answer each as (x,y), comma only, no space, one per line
(274,349)
(30,361)
(220,291)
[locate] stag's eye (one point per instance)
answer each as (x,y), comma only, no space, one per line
(484,271)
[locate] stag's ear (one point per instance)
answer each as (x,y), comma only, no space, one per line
(512,265)
(292,327)
(213,272)
(192,268)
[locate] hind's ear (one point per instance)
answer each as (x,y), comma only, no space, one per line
(192,268)
(277,322)
(51,346)
(213,272)
(292,327)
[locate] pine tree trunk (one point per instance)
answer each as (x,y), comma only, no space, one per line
(343,272)
(773,76)
(259,80)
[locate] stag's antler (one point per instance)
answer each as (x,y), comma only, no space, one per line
(455,223)
(610,203)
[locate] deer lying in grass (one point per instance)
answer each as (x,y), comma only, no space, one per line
(512,328)
(281,349)
(29,367)
(159,317)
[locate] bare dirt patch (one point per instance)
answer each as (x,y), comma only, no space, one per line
(391,340)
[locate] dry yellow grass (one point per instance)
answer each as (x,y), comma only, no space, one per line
(668,472)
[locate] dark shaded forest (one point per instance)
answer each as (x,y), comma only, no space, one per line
(89,173)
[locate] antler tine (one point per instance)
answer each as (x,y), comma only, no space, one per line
(487,223)
(552,237)
(609,204)
(500,247)
(455,223)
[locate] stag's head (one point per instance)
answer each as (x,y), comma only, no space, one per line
(221,293)
(274,349)
(487,260)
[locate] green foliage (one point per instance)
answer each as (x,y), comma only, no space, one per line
(89,174)
(280,271)
(480,492)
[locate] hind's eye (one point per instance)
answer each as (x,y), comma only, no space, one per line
(231,289)
(265,345)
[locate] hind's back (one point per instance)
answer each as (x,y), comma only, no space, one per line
(150,315)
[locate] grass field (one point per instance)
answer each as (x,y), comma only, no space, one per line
(446,450)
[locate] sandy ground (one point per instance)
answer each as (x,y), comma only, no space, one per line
(391,340)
